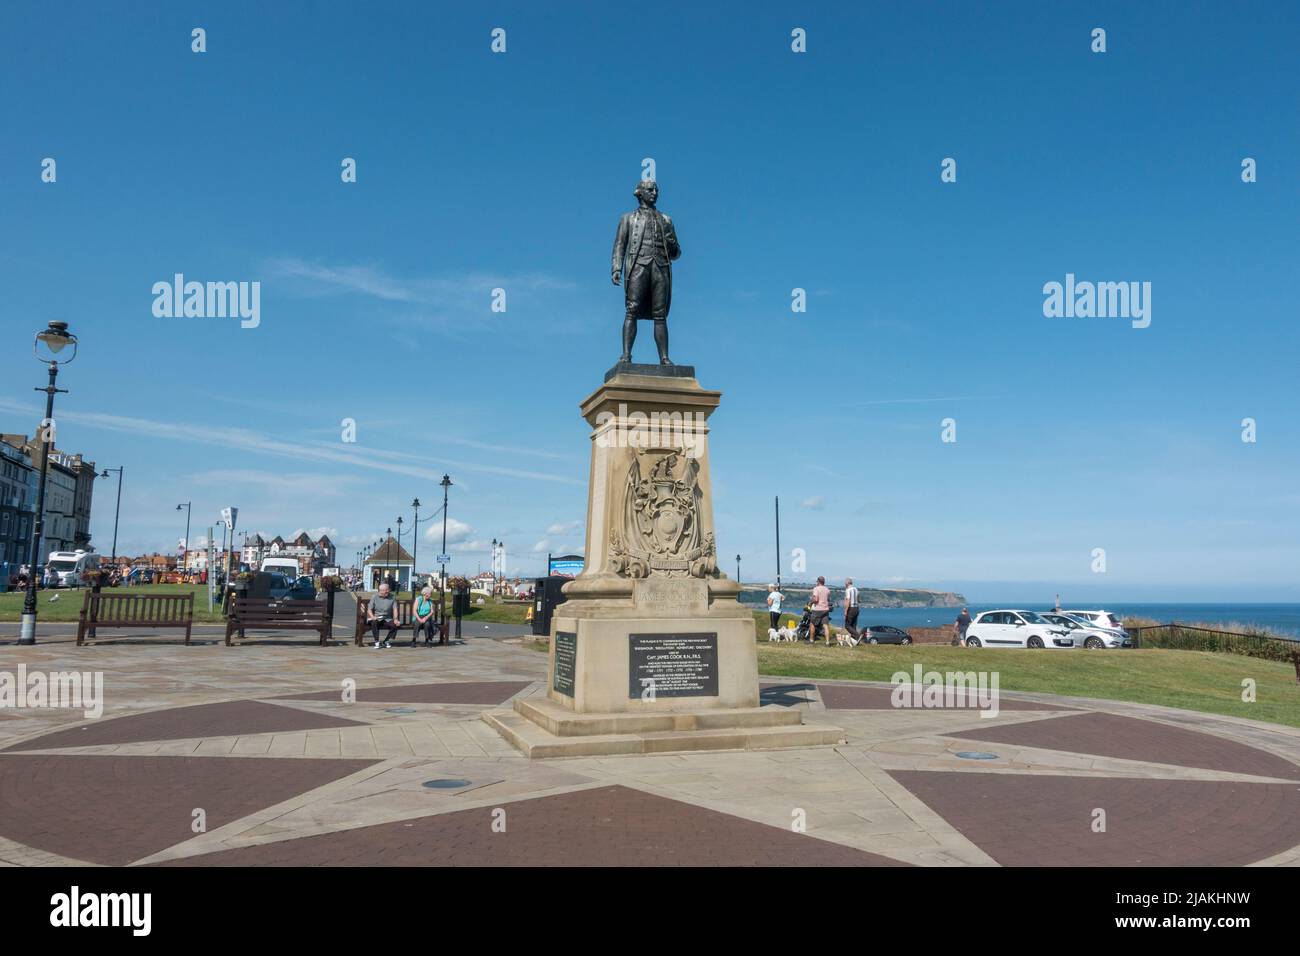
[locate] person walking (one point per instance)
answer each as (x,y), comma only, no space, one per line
(959,627)
(381,612)
(821,611)
(774,599)
(424,617)
(851,611)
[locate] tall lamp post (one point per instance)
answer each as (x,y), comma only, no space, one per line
(55,338)
(388,557)
(737,569)
(778,542)
(185,548)
(415,544)
(442,582)
(399,558)
(118,511)
(495,544)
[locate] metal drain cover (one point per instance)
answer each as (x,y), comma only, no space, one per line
(445,784)
(974,755)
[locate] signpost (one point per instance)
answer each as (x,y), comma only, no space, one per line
(228,517)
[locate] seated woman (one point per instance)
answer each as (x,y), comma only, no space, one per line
(424,618)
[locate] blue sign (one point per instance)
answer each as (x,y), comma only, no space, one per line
(569,566)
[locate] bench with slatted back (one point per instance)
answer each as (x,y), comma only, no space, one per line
(404,609)
(271,614)
(134,610)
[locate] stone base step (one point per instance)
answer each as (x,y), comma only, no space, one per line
(559,720)
(534,740)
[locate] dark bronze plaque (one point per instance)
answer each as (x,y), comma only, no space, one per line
(675,665)
(566,660)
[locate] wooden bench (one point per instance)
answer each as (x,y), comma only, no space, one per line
(270,614)
(132,610)
(405,610)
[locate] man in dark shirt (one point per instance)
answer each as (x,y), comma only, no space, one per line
(381,612)
(960,625)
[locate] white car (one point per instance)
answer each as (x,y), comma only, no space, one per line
(1016,629)
(1102,619)
(1085,633)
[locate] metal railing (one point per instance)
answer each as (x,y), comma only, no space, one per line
(1194,637)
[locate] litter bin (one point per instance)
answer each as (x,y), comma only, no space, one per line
(547,597)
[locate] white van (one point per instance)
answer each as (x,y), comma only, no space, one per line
(71,565)
(282,565)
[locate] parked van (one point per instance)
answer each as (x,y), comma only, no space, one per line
(282,565)
(70,566)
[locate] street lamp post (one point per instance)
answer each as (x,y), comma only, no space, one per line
(118,511)
(442,581)
(737,569)
(185,548)
(415,544)
(399,558)
(494,564)
(55,338)
(387,570)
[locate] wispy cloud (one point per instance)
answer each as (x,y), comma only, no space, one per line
(244,439)
(918,401)
(314,279)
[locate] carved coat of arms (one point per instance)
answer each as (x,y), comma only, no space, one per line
(661,533)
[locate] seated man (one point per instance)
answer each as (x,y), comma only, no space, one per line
(381,612)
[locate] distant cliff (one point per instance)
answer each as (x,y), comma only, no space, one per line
(890,597)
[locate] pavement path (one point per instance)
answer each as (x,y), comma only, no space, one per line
(295,754)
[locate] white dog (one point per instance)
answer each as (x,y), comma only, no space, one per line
(773,634)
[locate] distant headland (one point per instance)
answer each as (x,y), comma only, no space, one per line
(879,597)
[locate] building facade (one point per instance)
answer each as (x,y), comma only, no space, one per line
(69,491)
(312,556)
(17,505)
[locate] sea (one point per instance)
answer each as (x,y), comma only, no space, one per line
(1284,618)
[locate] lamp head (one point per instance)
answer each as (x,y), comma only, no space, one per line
(55,337)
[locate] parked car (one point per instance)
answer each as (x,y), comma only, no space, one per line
(1016,629)
(304,589)
(885,634)
(279,585)
(1087,634)
(1102,619)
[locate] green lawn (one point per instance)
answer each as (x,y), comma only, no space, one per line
(68,606)
(1191,680)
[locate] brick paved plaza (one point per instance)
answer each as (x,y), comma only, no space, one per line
(285,772)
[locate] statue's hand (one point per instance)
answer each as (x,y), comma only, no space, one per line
(614,277)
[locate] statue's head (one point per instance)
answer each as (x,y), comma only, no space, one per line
(647,191)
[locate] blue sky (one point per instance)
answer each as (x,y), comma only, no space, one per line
(781,170)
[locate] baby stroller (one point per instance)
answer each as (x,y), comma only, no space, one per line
(805,622)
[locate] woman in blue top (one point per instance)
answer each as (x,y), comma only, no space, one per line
(424,617)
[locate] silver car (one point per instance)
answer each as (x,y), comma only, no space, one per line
(1085,633)
(1103,621)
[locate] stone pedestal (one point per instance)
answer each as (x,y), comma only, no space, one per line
(651,650)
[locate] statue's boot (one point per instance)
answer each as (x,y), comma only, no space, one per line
(661,340)
(629,336)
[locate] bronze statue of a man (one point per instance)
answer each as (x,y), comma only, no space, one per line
(644,249)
